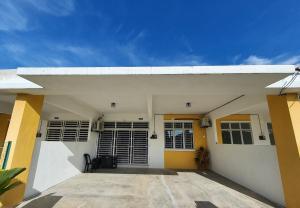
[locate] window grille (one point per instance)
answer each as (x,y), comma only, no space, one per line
(179,135)
(68,131)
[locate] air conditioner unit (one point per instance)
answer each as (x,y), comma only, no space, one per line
(97,126)
(205,122)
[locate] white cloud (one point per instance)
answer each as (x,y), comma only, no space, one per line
(14,48)
(282,59)
(255,60)
(14,16)
(57,7)
(11,16)
(113,53)
(291,60)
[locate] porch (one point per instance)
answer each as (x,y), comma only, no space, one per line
(137,187)
(237,101)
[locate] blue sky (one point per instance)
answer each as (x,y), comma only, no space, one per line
(148,33)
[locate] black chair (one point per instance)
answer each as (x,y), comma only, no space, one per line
(88,162)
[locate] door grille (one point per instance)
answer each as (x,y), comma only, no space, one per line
(127,140)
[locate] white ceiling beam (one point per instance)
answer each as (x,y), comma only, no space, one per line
(72,105)
(150,107)
(237,106)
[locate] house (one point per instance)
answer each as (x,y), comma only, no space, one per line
(154,117)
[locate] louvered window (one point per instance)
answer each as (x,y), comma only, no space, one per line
(68,131)
(124,125)
(179,135)
(140,125)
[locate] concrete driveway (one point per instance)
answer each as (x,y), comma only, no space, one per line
(143,188)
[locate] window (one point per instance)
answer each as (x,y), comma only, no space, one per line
(236,133)
(67,131)
(271,135)
(179,135)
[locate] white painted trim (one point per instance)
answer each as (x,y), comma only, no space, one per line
(164,70)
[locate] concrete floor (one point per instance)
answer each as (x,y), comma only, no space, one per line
(144,188)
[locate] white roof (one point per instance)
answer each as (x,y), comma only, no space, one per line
(164,70)
(130,87)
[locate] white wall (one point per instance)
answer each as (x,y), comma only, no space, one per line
(253,166)
(156,146)
(54,162)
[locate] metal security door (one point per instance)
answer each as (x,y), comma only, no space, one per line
(139,147)
(106,143)
(127,140)
(123,146)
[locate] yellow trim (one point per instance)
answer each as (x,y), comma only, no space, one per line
(285,116)
(185,159)
(233,117)
(22,132)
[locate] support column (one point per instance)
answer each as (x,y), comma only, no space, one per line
(22,133)
(285,116)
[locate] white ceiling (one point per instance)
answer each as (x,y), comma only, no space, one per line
(169,92)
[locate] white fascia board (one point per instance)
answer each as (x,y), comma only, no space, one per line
(283,82)
(164,70)
(10,80)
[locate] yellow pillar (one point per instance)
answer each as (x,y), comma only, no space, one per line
(285,116)
(22,133)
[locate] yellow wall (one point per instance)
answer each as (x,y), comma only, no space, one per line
(285,116)
(4,122)
(233,117)
(22,133)
(185,159)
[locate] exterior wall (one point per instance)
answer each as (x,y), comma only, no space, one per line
(21,133)
(185,159)
(4,123)
(157,146)
(54,162)
(285,115)
(253,166)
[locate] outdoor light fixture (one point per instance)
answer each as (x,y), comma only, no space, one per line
(154,135)
(188,105)
(113,105)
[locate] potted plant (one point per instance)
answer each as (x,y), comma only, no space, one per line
(6,179)
(202,158)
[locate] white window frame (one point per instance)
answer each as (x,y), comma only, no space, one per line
(184,138)
(239,129)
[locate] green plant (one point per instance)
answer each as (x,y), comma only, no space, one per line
(6,179)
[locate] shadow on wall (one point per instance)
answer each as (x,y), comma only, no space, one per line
(54,162)
(47,201)
(205,204)
(235,186)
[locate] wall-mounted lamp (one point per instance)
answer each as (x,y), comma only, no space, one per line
(188,105)
(154,135)
(113,105)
